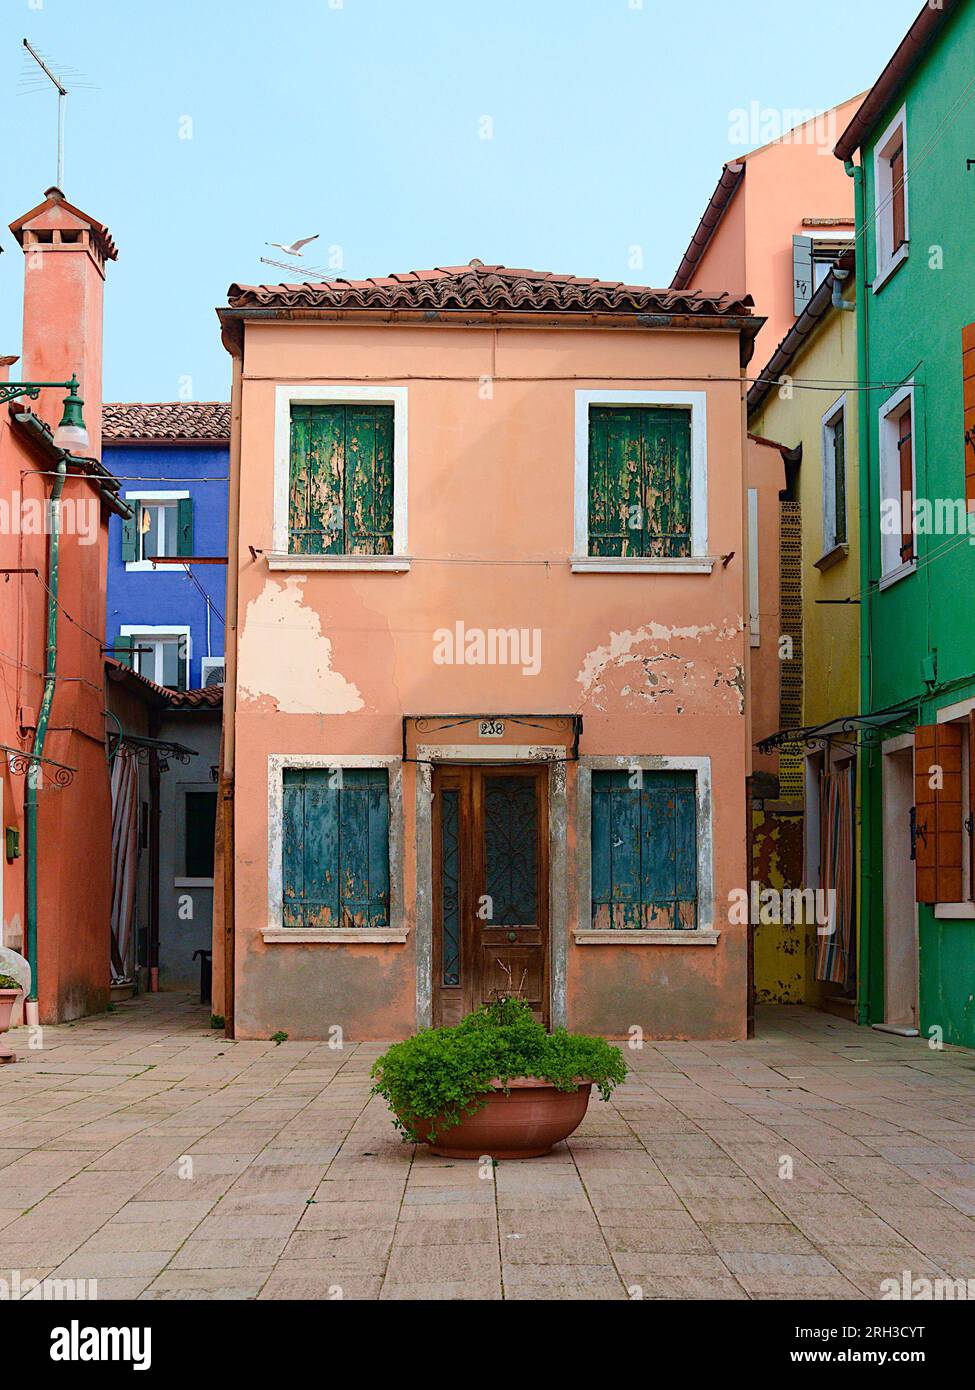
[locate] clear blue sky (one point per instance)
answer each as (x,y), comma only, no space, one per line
(362,121)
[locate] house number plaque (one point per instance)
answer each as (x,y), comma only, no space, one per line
(490,728)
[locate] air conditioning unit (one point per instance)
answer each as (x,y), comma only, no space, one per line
(211,670)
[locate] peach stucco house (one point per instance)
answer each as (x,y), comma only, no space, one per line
(488,654)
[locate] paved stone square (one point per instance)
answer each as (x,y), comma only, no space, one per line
(811,1162)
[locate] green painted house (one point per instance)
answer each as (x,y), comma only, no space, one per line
(911,151)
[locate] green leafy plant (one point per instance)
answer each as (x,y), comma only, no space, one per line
(8,982)
(443,1074)
(278,1038)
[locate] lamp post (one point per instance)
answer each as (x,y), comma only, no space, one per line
(71,433)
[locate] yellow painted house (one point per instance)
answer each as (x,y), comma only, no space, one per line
(804,401)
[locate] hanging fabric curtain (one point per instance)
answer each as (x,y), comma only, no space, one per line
(836,949)
(125,858)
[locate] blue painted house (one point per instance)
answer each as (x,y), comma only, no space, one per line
(167,620)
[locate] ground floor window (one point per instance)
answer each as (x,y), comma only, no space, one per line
(335,850)
(644,849)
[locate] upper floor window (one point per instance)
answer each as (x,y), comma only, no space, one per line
(891,198)
(898,485)
(641,481)
(341,480)
(161,654)
(834,477)
(161,525)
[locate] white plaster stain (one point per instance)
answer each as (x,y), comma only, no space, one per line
(285,656)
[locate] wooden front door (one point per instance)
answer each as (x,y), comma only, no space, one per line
(490,887)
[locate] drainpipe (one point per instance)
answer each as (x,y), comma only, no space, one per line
(838,302)
(867,818)
(40,735)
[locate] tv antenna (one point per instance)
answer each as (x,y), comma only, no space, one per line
(62,92)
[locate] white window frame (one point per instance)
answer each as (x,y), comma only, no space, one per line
(154,634)
(830,542)
(888,461)
(150,495)
(706,933)
(699,561)
(949,714)
(886,258)
(288,394)
(276,932)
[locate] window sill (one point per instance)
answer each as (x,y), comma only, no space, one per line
(192,882)
(893,576)
(954,912)
(396,564)
(148,566)
(639,564)
(833,556)
(663,936)
(896,261)
(350,936)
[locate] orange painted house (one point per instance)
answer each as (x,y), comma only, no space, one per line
(65,258)
(774,224)
(486,714)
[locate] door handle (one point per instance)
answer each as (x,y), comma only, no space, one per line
(512,936)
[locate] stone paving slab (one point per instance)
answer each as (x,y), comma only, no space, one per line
(143,1150)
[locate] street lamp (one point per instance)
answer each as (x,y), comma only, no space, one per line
(71,434)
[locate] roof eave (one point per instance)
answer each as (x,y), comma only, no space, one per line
(907,55)
(732,176)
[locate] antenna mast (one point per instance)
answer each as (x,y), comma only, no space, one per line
(62,92)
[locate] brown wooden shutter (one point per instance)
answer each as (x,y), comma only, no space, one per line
(938,813)
(898,236)
(905,454)
(968,397)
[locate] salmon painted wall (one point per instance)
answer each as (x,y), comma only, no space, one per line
(786,181)
(329,662)
(766,477)
(62,335)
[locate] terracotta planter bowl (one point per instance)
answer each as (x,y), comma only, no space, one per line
(523,1124)
(8,998)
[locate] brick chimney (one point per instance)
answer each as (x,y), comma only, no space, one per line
(65,253)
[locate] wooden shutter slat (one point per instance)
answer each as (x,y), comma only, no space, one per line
(897,202)
(184,526)
(625,842)
(938,813)
(616,491)
(293,860)
(667,461)
(905,455)
(659,854)
(327,461)
(130,535)
(368,491)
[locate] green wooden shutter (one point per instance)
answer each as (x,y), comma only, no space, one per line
(183,664)
(667,482)
(184,526)
(368,489)
(130,534)
(315,514)
(335,848)
(644,851)
(616,519)
(122,650)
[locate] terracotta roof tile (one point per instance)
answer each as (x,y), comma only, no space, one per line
(488,288)
(211,696)
(161,421)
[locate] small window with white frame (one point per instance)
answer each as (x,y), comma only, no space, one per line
(834,477)
(161,526)
(898,485)
(161,655)
(891,199)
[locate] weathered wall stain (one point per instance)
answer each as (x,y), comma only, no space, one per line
(285,656)
(676,665)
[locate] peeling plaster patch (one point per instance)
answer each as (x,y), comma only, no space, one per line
(672,666)
(285,656)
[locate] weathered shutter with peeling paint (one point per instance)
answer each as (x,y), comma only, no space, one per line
(802,273)
(122,650)
(938,813)
(340,499)
(644,851)
(369,480)
(639,482)
(336,848)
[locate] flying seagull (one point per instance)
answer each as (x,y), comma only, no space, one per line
(295,248)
